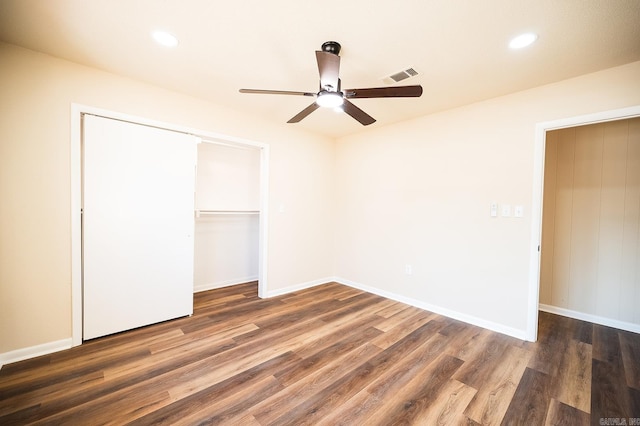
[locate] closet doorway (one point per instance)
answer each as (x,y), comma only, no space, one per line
(587,231)
(256,205)
(590,257)
(227,215)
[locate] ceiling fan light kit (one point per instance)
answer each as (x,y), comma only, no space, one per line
(330,94)
(330,99)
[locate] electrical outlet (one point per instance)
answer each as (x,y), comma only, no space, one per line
(518,211)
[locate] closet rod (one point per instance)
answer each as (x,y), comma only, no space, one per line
(222,212)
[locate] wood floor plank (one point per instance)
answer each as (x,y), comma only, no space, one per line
(150,364)
(392,309)
(28,366)
(52,392)
(152,388)
(203,404)
(324,291)
(606,344)
(448,406)
(414,408)
(338,331)
(336,291)
(244,420)
(190,378)
(386,388)
(60,367)
(384,340)
(634,405)
(491,402)
(184,377)
(349,315)
(236,360)
(354,306)
(280,404)
(234,315)
(59,374)
(610,397)
(487,358)
(346,294)
(328,355)
(319,359)
(319,405)
(583,332)
(398,318)
(291,314)
(220,333)
(630,351)
(549,349)
(560,414)
(468,342)
(572,384)
(530,403)
(121,411)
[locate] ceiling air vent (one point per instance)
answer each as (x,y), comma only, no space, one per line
(399,76)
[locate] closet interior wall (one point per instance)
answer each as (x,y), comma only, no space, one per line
(590,258)
(227,210)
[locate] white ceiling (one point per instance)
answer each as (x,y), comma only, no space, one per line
(459,47)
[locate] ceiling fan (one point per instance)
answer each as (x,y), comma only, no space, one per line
(331,94)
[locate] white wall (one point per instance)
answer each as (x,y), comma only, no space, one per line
(419,193)
(226,244)
(35,187)
(228,177)
(225,250)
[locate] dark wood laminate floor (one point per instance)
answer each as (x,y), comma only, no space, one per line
(329,355)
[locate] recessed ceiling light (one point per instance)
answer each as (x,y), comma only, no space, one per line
(165,39)
(523,40)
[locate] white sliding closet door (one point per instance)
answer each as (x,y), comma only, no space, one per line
(138,202)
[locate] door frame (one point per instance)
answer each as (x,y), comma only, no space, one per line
(541,130)
(76,160)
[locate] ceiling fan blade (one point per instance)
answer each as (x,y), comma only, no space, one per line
(385,92)
(364,118)
(276,92)
(302,114)
(329,68)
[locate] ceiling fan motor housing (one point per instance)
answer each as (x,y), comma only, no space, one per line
(331,47)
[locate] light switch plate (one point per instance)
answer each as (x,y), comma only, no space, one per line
(506,210)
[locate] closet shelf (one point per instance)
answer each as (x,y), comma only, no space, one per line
(223,212)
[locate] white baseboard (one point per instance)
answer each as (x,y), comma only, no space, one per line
(297,287)
(220,284)
(609,322)
(469,319)
(34,351)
